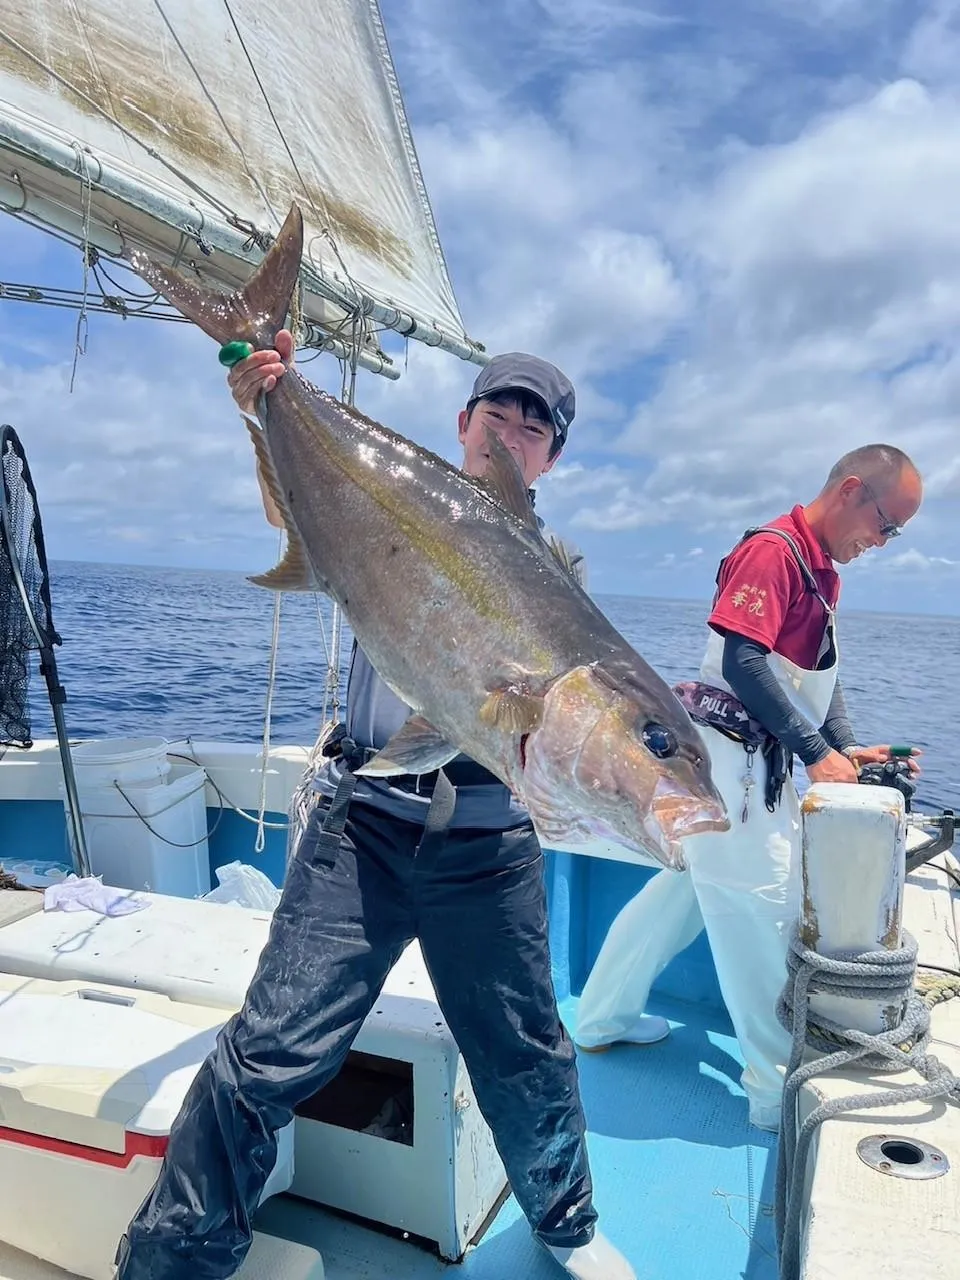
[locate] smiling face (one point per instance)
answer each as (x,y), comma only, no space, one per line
(520,420)
(865,514)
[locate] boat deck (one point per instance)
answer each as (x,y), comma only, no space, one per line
(684,1185)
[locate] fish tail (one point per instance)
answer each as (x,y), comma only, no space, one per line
(252,314)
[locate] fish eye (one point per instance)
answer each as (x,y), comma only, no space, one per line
(659,740)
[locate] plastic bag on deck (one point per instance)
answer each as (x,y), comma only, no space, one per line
(244,886)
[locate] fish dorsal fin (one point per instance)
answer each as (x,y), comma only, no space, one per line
(294,572)
(504,481)
(415,748)
(561,553)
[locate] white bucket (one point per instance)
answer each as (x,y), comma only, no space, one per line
(151,835)
(134,761)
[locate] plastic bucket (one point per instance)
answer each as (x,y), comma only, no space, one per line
(134,761)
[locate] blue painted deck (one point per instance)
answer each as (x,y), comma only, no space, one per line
(683,1185)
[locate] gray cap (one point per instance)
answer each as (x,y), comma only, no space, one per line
(516,371)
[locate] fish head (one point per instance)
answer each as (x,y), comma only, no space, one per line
(616,757)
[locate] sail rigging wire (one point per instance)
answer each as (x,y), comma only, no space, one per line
(321,218)
(220,116)
(393,84)
(86,195)
(72,299)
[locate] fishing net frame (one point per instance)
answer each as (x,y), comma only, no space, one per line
(26,625)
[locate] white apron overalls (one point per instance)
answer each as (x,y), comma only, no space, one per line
(742,885)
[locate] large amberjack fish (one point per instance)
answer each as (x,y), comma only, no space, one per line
(460,605)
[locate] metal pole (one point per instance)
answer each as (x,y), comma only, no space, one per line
(58,696)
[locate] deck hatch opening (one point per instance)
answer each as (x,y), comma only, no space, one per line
(370,1094)
(900,1157)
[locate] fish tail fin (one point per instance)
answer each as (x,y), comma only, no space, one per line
(254,313)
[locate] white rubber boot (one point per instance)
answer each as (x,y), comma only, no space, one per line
(647,1029)
(598,1260)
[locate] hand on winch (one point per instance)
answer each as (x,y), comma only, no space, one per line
(848,766)
(834,767)
(861,756)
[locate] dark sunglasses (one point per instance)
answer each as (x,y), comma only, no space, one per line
(887,527)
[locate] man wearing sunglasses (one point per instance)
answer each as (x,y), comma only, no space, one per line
(768,691)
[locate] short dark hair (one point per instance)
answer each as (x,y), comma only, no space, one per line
(527,404)
(881,465)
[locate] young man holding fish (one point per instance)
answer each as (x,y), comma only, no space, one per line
(449,857)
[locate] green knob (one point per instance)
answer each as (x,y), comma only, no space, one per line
(232,353)
(901,753)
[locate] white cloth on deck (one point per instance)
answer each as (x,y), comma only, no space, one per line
(90,894)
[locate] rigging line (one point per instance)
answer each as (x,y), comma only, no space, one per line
(276,122)
(127,133)
(210,98)
(71,301)
(132,301)
(83,330)
(390,72)
(322,220)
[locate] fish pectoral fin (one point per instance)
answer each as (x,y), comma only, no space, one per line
(504,481)
(513,710)
(416,748)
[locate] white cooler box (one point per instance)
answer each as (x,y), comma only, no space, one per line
(91,1079)
(396,1138)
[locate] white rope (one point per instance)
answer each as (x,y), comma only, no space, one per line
(871,975)
(267,714)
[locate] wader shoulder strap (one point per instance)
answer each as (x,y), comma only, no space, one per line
(805,571)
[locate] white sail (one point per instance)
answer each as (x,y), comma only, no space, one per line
(187,127)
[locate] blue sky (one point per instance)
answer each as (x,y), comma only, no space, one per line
(735,226)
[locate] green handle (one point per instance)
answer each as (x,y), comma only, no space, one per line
(901,753)
(232,353)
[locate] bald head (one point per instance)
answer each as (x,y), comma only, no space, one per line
(883,466)
(868,497)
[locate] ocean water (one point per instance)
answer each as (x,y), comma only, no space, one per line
(186,653)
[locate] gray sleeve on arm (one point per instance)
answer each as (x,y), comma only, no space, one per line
(836,728)
(747,672)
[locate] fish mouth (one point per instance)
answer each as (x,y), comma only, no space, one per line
(680,814)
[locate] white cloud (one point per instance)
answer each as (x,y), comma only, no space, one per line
(911,561)
(735,226)
(933,50)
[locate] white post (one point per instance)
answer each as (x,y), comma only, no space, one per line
(854,866)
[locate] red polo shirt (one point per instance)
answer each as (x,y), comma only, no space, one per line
(762,593)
